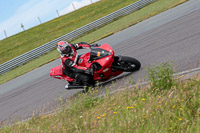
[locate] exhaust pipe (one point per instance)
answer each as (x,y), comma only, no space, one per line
(68,87)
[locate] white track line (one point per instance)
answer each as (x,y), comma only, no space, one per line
(187,71)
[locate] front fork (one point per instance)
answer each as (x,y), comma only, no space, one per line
(115,65)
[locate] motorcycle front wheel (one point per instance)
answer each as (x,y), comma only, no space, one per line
(128,64)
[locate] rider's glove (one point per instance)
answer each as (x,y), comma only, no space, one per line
(94,45)
(89,71)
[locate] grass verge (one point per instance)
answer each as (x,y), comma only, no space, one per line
(171,109)
(120,24)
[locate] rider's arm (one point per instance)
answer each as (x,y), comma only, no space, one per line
(69,63)
(81,45)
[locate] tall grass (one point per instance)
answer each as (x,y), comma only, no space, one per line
(176,109)
(161,76)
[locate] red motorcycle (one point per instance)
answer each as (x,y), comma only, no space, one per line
(103,63)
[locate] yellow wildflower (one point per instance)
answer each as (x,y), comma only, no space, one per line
(135,104)
(150,114)
(180,119)
(159,96)
(174,106)
(143,99)
(182,100)
(129,107)
(114,112)
(143,114)
(98,117)
(180,108)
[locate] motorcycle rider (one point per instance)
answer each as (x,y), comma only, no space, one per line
(69,58)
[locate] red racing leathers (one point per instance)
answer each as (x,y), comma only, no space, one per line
(69,62)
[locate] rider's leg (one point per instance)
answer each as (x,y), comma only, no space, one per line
(85,79)
(82,78)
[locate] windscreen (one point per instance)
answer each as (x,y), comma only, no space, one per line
(97,53)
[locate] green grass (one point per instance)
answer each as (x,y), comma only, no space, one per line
(174,109)
(122,23)
(23,42)
(132,19)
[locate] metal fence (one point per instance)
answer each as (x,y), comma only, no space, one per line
(22,59)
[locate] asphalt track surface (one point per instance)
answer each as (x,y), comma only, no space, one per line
(170,36)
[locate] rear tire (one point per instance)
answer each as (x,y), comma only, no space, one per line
(129,64)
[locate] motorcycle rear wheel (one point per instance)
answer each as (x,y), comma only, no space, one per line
(129,64)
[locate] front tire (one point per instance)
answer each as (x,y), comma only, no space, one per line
(129,64)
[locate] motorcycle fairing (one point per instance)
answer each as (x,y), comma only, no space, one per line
(84,60)
(57,72)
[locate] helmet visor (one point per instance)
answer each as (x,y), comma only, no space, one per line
(67,50)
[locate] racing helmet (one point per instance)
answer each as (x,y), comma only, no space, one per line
(64,48)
